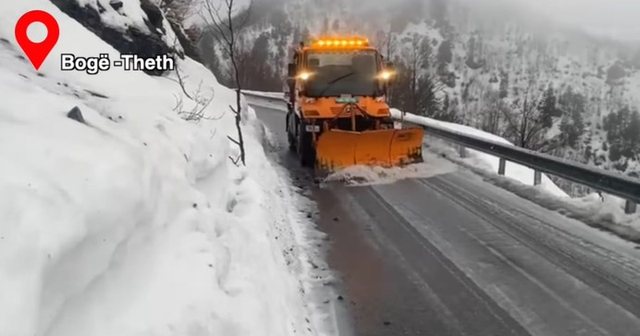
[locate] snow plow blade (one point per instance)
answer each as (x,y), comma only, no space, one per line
(336,149)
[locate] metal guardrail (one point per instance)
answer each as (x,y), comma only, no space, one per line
(592,177)
(598,179)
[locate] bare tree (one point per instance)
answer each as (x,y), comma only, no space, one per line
(492,111)
(226,20)
(524,123)
(386,40)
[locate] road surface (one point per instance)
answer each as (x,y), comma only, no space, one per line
(454,255)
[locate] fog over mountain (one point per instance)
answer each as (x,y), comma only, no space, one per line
(615,19)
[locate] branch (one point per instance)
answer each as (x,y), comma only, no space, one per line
(181,82)
(233,140)
(235,161)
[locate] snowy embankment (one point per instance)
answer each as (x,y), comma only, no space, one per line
(601,211)
(129,220)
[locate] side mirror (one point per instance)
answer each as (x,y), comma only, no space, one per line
(292,70)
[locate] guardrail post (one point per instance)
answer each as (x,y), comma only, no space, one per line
(462,151)
(631,207)
(537,177)
(502,167)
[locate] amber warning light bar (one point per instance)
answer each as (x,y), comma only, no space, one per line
(355,42)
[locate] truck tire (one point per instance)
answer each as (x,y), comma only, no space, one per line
(291,138)
(306,152)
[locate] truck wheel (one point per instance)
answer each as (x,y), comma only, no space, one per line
(306,152)
(291,138)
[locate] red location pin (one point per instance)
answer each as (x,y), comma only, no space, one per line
(37,52)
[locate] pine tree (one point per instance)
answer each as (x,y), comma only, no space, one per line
(504,84)
(445,53)
(623,134)
(548,107)
(428,103)
(443,59)
(573,105)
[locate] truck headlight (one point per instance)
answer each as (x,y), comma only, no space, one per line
(304,75)
(386,75)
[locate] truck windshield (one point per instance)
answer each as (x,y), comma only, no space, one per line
(342,72)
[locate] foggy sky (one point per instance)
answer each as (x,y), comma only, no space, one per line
(616,19)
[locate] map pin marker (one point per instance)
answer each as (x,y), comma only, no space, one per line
(37,52)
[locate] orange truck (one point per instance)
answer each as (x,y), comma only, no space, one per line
(338,115)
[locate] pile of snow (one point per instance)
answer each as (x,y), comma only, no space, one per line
(134,221)
(366,175)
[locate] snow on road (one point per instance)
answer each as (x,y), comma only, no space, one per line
(135,222)
(433,165)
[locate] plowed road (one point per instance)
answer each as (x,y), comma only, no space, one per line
(454,255)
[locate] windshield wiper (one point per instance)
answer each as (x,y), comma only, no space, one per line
(334,81)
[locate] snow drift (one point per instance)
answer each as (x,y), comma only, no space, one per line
(129,220)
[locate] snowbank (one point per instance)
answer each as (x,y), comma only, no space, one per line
(271,95)
(134,221)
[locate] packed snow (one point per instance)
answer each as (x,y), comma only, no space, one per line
(130,220)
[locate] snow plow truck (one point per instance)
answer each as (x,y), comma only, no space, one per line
(338,115)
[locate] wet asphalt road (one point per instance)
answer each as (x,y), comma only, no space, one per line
(455,255)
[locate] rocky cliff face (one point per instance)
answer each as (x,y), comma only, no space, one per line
(132,27)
